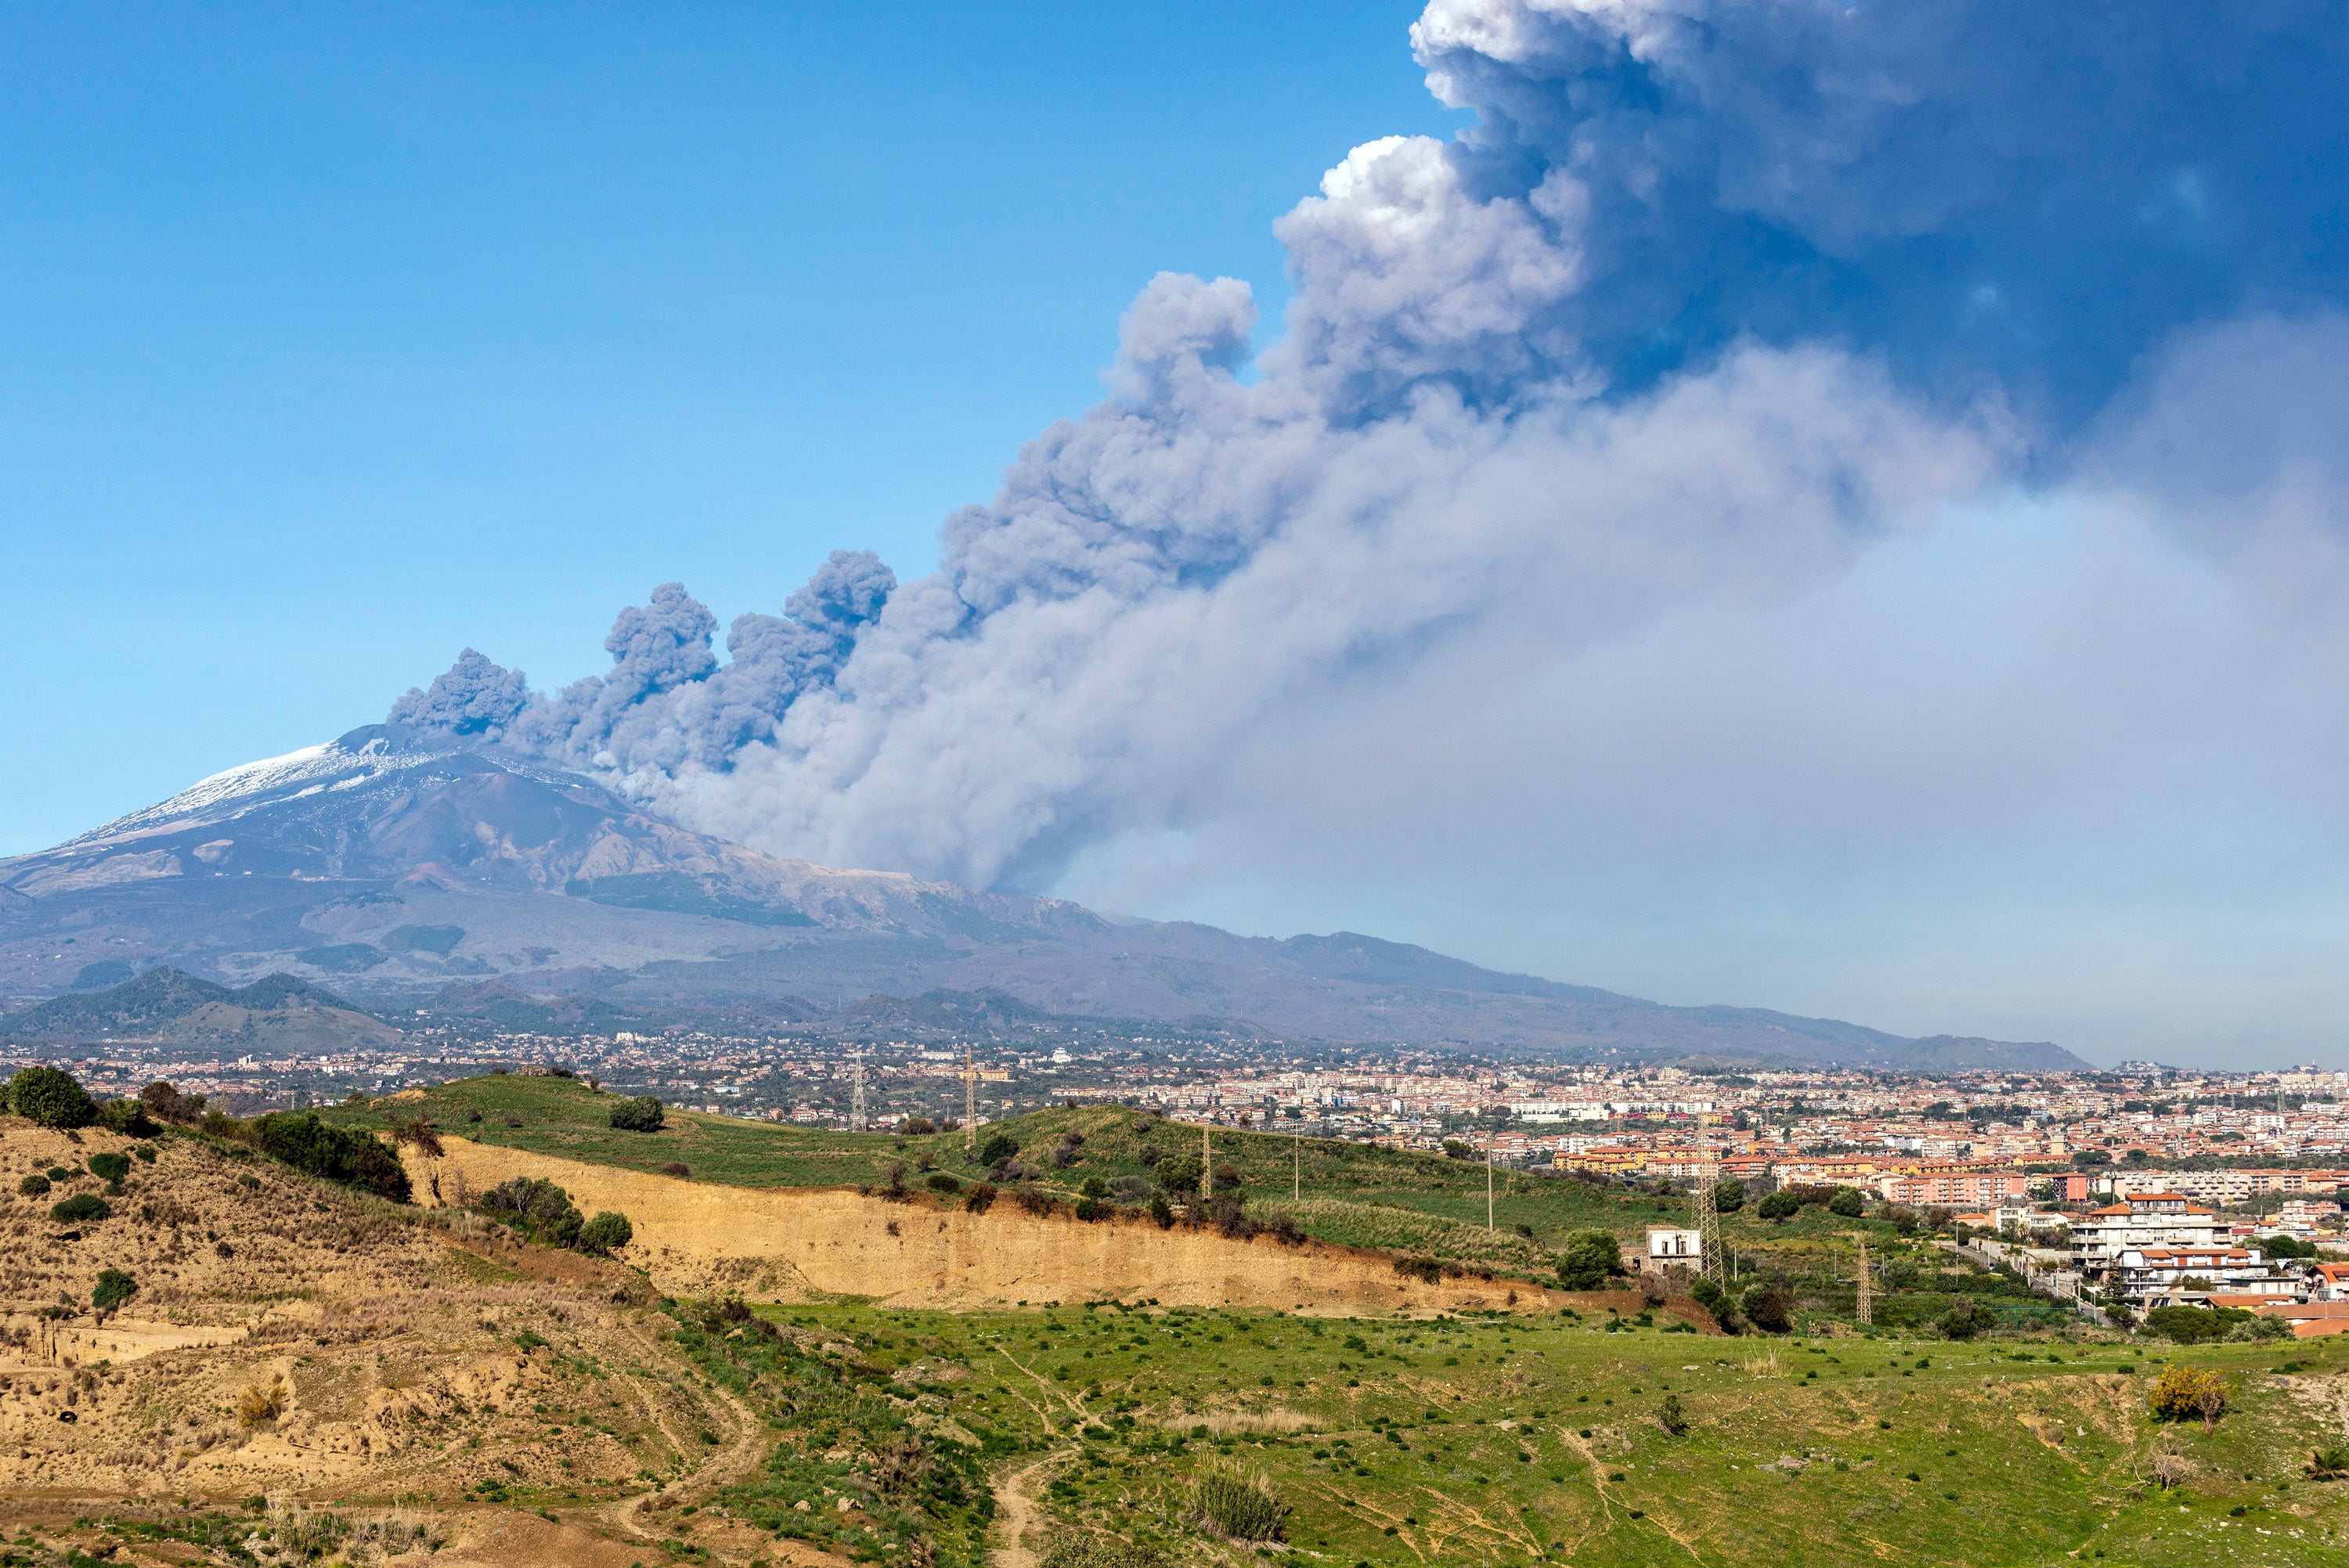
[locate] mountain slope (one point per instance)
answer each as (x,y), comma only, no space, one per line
(167,1007)
(398,867)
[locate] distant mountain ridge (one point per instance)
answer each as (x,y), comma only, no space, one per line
(279,1012)
(404,869)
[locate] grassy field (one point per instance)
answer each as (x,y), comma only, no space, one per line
(1494,1442)
(1350,1193)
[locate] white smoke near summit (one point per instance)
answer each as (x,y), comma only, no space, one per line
(1713,299)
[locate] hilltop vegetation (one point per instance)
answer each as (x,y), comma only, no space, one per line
(1414,1205)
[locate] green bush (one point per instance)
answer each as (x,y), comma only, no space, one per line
(939,1182)
(128,1118)
(79,1207)
(606,1232)
(1728,1195)
(641,1114)
(1100,1551)
(1766,1306)
(1966,1319)
(114,1288)
(1001,1146)
(34,1186)
(1588,1259)
(51,1098)
(1179,1174)
(1239,1507)
(110,1167)
(540,1210)
(341,1154)
(1714,1299)
(1780,1206)
(1847,1203)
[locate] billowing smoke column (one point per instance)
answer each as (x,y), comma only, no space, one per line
(1713,296)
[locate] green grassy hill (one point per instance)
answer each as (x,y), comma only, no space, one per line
(1349,1194)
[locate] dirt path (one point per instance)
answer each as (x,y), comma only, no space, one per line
(1017,1512)
(741,1454)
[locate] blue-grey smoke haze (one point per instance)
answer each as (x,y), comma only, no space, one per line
(1832,506)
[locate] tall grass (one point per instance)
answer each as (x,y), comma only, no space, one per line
(1393,1228)
(1245,1507)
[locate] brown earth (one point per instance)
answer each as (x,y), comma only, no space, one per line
(291,1341)
(811,1243)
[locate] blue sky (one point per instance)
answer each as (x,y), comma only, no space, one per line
(1834,508)
(332,339)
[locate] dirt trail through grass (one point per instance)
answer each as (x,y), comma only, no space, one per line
(1017,1513)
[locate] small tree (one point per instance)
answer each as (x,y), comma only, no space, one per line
(1713,1299)
(50,1096)
(2187,1393)
(641,1114)
(917,1126)
(997,1147)
(80,1207)
(606,1232)
(1780,1205)
(1588,1259)
(1179,1174)
(1766,1307)
(1675,1420)
(1847,1203)
(1728,1195)
(1965,1320)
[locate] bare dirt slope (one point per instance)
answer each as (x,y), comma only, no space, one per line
(808,1244)
(288,1340)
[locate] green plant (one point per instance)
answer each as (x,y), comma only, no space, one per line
(2329,1463)
(34,1186)
(79,1207)
(606,1232)
(997,1147)
(110,1167)
(341,1154)
(1780,1205)
(1728,1195)
(1178,1174)
(1586,1259)
(1240,1507)
(1847,1203)
(1675,1420)
(2189,1393)
(1100,1551)
(51,1097)
(1766,1306)
(641,1114)
(939,1182)
(1965,1320)
(114,1287)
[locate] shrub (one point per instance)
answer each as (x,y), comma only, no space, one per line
(917,1126)
(341,1154)
(1241,1508)
(257,1404)
(79,1207)
(1713,1299)
(51,1098)
(1588,1259)
(939,1182)
(114,1287)
(110,1167)
(2258,1330)
(1904,1219)
(1100,1551)
(1161,1209)
(977,1199)
(166,1103)
(2195,1325)
(539,1210)
(678,1168)
(606,1232)
(1766,1307)
(126,1117)
(1780,1205)
(2328,1464)
(1847,1203)
(1965,1320)
(1674,1419)
(1728,1195)
(34,1186)
(2188,1393)
(144,1153)
(997,1147)
(642,1113)
(1178,1174)
(1425,1269)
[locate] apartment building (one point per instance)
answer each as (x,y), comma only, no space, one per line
(1975,1186)
(2139,1221)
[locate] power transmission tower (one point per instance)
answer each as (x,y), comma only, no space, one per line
(857,1104)
(1488,1189)
(1867,1312)
(1709,1262)
(1206,1174)
(969,1100)
(1297,1163)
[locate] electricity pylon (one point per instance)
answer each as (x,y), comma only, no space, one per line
(1709,1262)
(969,1100)
(856,1094)
(1867,1300)
(1488,1189)
(1207,1161)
